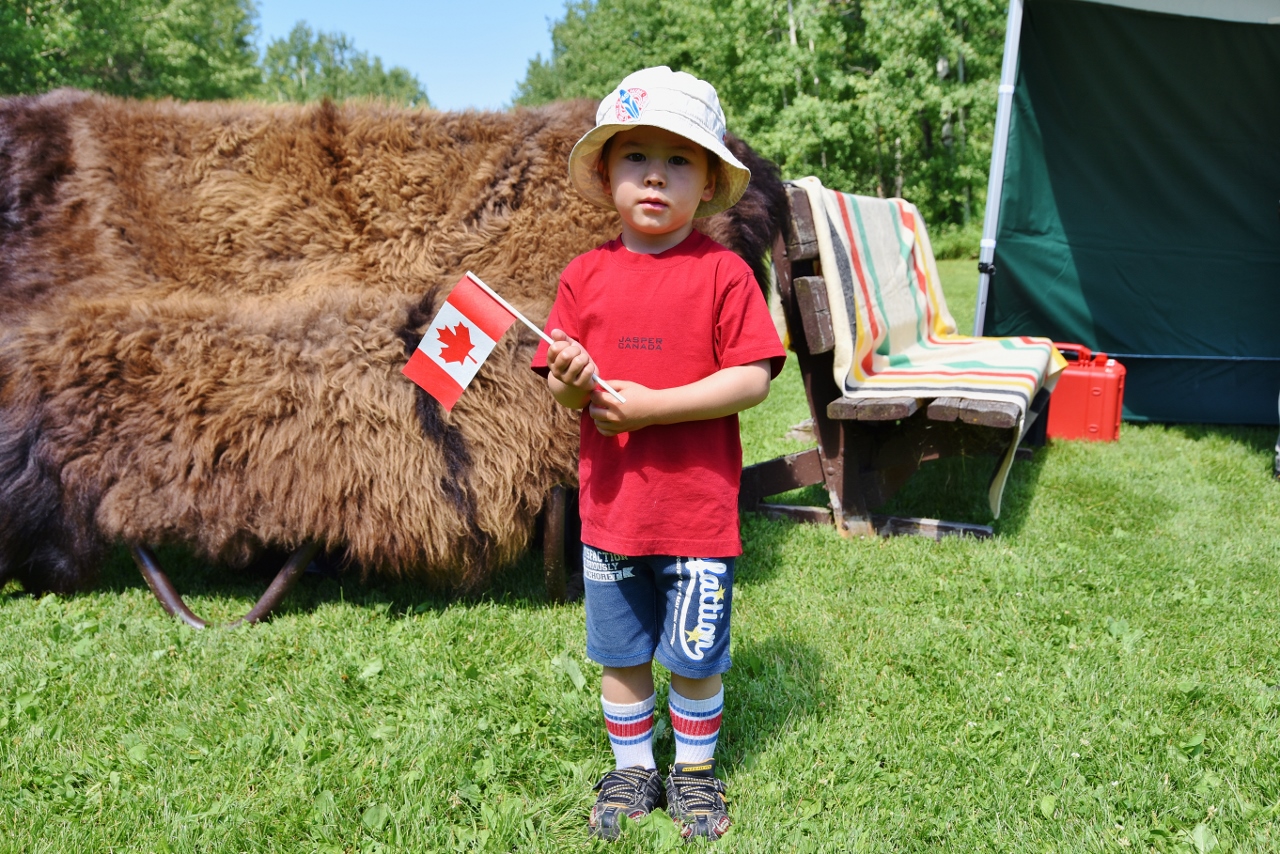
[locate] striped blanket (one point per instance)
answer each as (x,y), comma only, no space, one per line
(894,335)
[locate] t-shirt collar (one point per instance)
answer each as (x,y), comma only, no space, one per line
(683,251)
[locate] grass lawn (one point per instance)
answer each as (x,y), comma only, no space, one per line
(1100,676)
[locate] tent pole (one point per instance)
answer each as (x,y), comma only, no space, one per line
(995,180)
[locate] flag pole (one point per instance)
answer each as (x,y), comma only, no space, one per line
(509,307)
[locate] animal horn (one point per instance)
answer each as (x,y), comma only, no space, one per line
(172,602)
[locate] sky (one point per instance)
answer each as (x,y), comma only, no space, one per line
(465,53)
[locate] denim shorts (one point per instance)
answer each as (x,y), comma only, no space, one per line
(674,609)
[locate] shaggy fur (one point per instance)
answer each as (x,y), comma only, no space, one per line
(204,310)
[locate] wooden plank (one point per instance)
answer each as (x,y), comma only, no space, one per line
(795,512)
(990,413)
(780,474)
(945,408)
(815,314)
(987,413)
(553,543)
(934,529)
(872,409)
(802,243)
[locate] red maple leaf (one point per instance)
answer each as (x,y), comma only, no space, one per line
(457,343)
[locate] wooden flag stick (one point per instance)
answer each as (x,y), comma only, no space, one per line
(544,336)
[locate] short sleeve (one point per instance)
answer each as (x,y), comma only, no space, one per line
(744,330)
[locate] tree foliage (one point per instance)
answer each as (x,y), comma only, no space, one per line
(888,97)
(308,66)
(187,49)
(190,49)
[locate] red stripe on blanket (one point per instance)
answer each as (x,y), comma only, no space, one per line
(917,270)
(1023,375)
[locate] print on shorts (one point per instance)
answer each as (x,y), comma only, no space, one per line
(605,566)
(699,605)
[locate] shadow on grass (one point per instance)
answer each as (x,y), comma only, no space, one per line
(775,683)
(1260,440)
(954,489)
(325,582)
(764,544)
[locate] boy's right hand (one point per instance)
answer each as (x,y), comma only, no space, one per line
(571,368)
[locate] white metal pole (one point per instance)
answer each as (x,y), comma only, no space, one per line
(995,181)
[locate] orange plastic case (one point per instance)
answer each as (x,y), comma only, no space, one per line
(1087,401)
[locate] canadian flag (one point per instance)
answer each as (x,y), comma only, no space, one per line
(459,339)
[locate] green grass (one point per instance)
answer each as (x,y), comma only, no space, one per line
(1100,676)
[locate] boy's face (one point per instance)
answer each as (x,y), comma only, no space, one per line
(657,180)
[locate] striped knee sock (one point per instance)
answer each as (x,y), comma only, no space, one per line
(696,724)
(630,728)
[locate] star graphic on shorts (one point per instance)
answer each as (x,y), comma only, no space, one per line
(719,594)
(694,635)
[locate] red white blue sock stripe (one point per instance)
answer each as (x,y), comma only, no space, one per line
(696,724)
(630,728)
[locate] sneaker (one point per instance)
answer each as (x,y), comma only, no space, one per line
(695,800)
(633,792)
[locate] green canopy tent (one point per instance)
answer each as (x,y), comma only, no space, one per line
(1134,197)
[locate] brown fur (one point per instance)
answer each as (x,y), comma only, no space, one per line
(205,309)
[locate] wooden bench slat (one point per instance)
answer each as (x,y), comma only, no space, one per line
(781,474)
(872,409)
(815,313)
(803,243)
(987,413)
(934,529)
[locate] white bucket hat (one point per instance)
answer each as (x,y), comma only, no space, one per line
(672,100)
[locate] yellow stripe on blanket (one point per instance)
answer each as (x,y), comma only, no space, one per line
(894,334)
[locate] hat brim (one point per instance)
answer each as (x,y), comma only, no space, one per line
(731,176)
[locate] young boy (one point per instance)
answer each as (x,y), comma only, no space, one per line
(682,332)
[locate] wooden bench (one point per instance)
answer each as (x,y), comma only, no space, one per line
(866,449)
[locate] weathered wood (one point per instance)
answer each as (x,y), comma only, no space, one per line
(553,543)
(872,409)
(945,408)
(934,529)
(803,242)
(815,313)
(795,512)
(779,475)
(987,413)
(990,413)
(816,371)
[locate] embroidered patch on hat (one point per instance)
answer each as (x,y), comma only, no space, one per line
(631,103)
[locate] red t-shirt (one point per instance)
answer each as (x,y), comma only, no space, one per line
(662,321)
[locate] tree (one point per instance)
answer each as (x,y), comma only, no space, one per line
(888,97)
(308,66)
(190,49)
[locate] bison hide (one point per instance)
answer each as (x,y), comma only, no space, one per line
(204,309)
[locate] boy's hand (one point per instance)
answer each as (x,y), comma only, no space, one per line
(570,368)
(613,418)
(725,392)
(569,362)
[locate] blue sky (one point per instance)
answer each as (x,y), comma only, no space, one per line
(467,53)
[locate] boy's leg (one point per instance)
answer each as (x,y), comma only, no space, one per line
(696,706)
(621,636)
(695,648)
(627,695)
